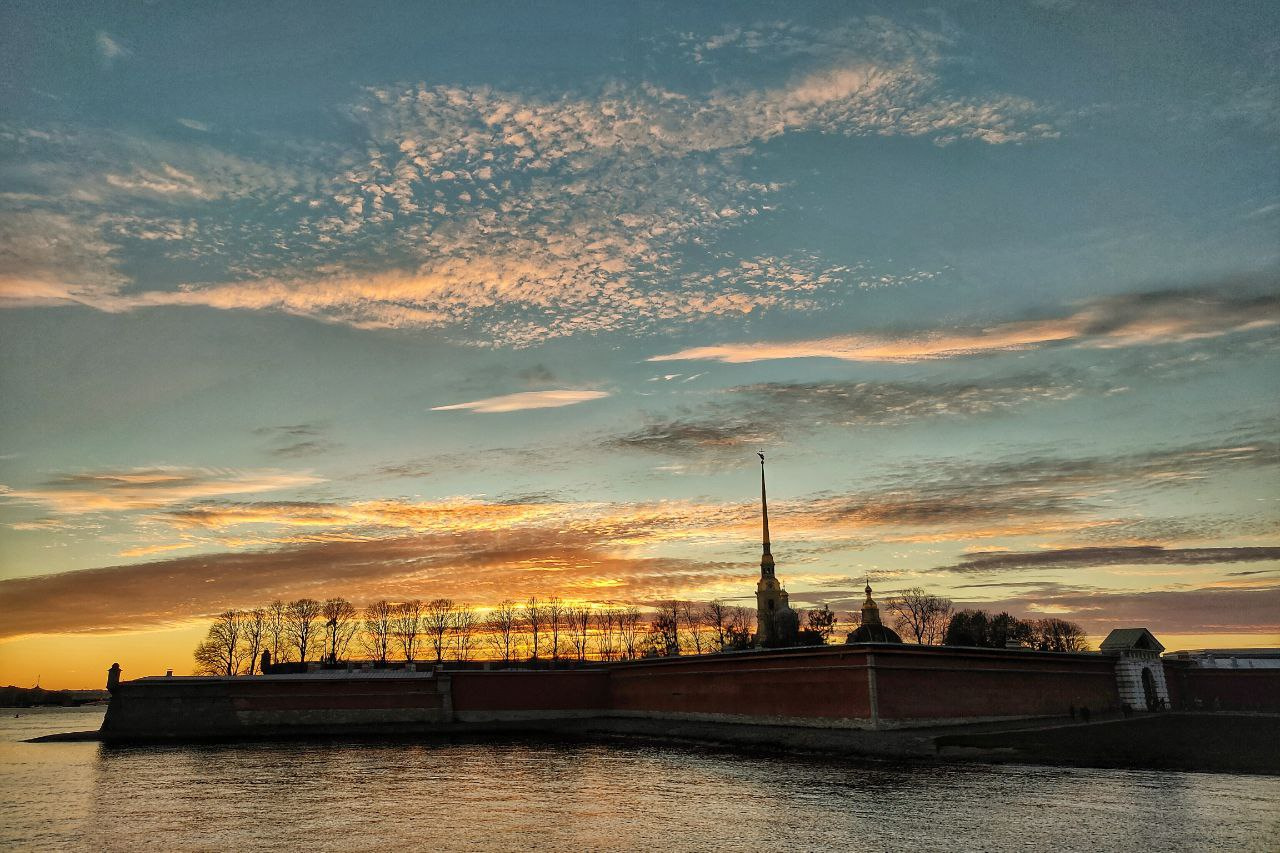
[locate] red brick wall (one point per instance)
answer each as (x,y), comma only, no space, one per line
(819,684)
(912,683)
(1212,689)
(511,691)
(915,683)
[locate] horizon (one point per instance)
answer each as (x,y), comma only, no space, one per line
(484,303)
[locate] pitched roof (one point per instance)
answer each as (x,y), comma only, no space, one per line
(1131,638)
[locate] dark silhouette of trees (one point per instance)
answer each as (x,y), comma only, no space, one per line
(1059,635)
(535,619)
(407,628)
(379,619)
(437,622)
(501,625)
(629,630)
(693,616)
(923,615)
(221,652)
(821,621)
(340,625)
(578,620)
(255,629)
(278,631)
(978,628)
(301,619)
(664,631)
(606,633)
(464,631)
(554,611)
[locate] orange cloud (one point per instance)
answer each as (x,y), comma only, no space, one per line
(1120,321)
(151,488)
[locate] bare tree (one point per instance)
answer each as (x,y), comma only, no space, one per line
(501,625)
(406,625)
(255,629)
(464,631)
(437,622)
(741,627)
(535,619)
(378,630)
(664,629)
(1059,635)
(606,639)
(579,622)
(340,625)
(555,620)
(300,618)
(926,616)
(692,615)
(221,651)
(628,630)
(278,631)
(716,617)
(668,622)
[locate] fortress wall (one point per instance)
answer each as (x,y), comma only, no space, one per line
(1212,689)
(182,708)
(824,687)
(514,695)
(932,683)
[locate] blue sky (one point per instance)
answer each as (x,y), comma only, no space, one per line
(494,300)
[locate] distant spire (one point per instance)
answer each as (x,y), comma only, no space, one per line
(766,558)
(870,612)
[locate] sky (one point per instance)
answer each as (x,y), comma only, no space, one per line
(493,300)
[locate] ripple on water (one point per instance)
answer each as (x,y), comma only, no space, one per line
(549,795)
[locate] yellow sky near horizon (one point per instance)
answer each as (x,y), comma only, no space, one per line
(81,661)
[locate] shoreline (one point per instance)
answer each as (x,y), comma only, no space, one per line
(1176,741)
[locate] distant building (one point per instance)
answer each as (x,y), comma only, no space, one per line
(1229,658)
(1139,671)
(872,630)
(776,623)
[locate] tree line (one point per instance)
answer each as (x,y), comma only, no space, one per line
(932,620)
(550,629)
(332,631)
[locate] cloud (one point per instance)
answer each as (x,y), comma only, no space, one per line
(525,400)
(151,488)
(1139,319)
(480,566)
(700,436)
(192,124)
(297,440)
(1089,557)
(518,216)
(1205,610)
(721,426)
(110,49)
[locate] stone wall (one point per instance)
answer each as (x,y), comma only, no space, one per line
(850,687)
(1196,688)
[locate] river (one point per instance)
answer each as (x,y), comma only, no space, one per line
(557,795)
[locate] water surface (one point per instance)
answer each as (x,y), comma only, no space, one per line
(555,795)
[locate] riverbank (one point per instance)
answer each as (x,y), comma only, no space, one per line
(1197,742)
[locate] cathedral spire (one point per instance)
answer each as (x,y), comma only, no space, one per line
(766,558)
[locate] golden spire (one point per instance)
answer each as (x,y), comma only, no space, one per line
(766,558)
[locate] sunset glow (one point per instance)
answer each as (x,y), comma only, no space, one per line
(490,304)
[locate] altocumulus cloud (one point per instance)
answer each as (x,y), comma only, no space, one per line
(526,215)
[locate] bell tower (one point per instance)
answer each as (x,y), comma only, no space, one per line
(776,622)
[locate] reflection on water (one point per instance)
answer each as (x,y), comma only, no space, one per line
(512,795)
